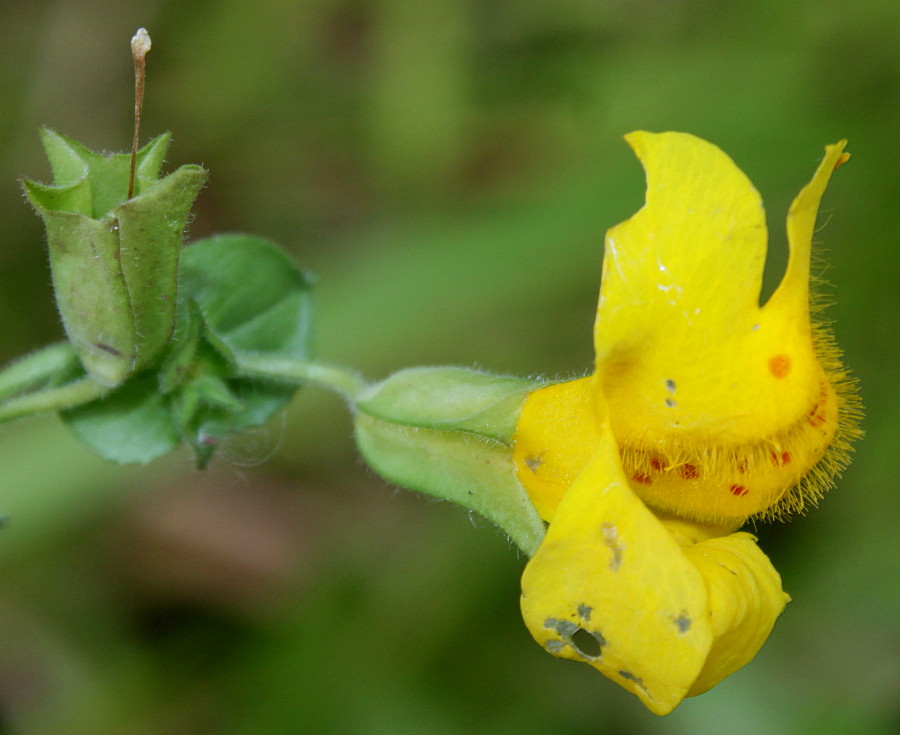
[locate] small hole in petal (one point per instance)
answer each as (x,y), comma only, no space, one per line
(586,644)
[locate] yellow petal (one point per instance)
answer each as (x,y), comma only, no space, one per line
(610,586)
(745,598)
(558,431)
(719,405)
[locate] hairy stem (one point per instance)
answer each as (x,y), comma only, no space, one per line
(339,379)
(66,396)
(32,370)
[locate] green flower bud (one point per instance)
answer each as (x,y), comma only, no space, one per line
(114,260)
(448,432)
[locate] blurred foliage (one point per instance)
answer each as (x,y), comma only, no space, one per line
(447,169)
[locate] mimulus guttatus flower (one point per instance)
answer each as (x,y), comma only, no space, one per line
(704,409)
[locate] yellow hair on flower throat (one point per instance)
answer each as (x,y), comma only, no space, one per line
(722,409)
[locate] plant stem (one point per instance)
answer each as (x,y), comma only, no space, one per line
(36,368)
(66,396)
(339,379)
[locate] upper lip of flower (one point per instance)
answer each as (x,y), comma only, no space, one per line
(719,405)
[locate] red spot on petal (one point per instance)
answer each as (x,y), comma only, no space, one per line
(780,459)
(642,479)
(689,472)
(657,464)
(738,490)
(817,417)
(742,466)
(780,366)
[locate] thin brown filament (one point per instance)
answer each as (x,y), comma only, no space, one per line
(140,45)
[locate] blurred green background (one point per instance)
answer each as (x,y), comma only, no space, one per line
(447,169)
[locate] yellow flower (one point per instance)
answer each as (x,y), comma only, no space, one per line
(704,409)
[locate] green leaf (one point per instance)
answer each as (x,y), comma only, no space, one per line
(474,472)
(131,424)
(449,398)
(253,299)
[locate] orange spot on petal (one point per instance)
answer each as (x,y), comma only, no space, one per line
(738,490)
(642,479)
(780,366)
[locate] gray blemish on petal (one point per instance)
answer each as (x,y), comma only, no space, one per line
(611,539)
(631,677)
(682,622)
(586,643)
(533,462)
(554,646)
(670,403)
(636,679)
(670,385)
(565,628)
(584,612)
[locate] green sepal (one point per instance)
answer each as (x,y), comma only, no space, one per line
(114,262)
(91,294)
(179,361)
(150,228)
(449,398)
(448,432)
(101,178)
